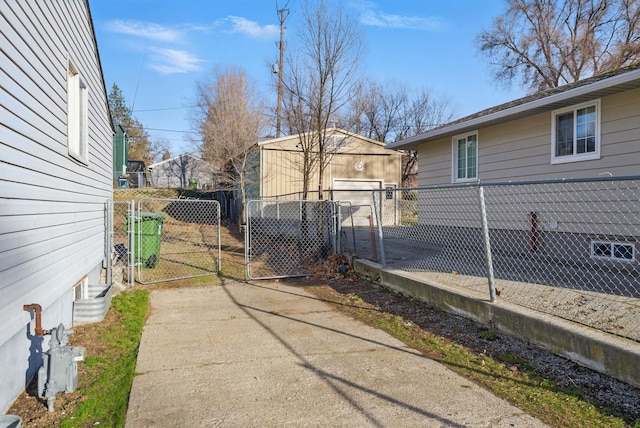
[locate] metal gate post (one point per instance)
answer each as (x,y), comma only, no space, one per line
(109,240)
(337,221)
(247,237)
(487,245)
(383,258)
(130,239)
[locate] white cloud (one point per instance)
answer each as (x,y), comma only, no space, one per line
(251,28)
(146,30)
(371,15)
(172,61)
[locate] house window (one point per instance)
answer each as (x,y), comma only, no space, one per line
(613,250)
(465,157)
(576,133)
(77,115)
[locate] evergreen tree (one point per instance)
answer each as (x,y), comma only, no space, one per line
(140,146)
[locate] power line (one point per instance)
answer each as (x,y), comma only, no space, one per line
(172,130)
(165,108)
(164,130)
(135,94)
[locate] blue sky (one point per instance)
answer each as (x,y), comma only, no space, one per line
(156,51)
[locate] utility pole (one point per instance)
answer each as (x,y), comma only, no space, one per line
(282,13)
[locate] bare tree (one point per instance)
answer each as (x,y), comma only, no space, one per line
(387,112)
(231,119)
(317,82)
(548,43)
(377,108)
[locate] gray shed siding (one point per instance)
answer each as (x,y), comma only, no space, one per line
(52,208)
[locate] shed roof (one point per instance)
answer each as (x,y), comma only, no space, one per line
(177,158)
(614,82)
(329,131)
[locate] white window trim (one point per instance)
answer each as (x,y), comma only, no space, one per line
(611,244)
(81,289)
(575,157)
(454,158)
(77,115)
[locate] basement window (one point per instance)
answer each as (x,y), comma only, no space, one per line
(81,289)
(622,251)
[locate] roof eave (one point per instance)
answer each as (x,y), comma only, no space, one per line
(548,103)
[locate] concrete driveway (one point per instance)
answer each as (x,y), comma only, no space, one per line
(266,354)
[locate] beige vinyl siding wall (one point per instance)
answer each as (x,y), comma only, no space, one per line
(281,172)
(434,163)
(621,134)
(521,149)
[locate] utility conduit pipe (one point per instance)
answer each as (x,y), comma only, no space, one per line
(37,309)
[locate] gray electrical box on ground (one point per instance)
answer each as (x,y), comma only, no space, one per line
(59,370)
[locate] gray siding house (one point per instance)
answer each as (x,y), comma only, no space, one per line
(55,175)
(531,138)
(586,130)
(181,171)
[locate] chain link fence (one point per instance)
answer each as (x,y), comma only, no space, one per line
(564,247)
(286,238)
(175,239)
(122,273)
(161,236)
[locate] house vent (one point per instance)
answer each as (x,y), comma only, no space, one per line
(334,142)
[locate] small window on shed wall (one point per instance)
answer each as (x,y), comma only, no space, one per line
(77,115)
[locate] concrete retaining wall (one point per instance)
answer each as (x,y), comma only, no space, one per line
(614,356)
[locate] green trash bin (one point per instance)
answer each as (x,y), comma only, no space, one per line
(193,184)
(147,235)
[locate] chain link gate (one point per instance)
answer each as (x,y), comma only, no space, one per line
(174,239)
(122,273)
(286,238)
(161,239)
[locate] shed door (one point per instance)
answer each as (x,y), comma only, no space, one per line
(358,199)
